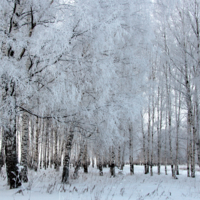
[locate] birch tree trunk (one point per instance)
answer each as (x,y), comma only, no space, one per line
(56,165)
(66,161)
(104,158)
(169,118)
(149,137)
(8,91)
(100,166)
(196,30)
(152,134)
(31,145)
(13,177)
(85,158)
(190,118)
(123,156)
(35,163)
(197,125)
(92,162)
(60,151)
(166,126)
(131,150)
(159,126)
(46,147)
(188,148)
(112,162)
(119,158)
(24,147)
(51,147)
(2,149)
(178,110)
(79,160)
(144,144)
(42,144)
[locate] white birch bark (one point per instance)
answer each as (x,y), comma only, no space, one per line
(166,126)
(36,152)
(66,161)
(178,112)
(56,164)
(46,138)
(149,137)
(144,144)
(24,147)
(159,125)
(152,135)
(51,147)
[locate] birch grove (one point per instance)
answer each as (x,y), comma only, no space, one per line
(99,84)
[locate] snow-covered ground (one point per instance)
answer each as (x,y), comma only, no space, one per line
(46,185)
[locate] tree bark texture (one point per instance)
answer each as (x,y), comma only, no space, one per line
(36,153)
(66,162)
(24,147)
(112,162)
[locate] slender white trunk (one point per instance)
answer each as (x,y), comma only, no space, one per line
(166,126)
(51,147)
(152,134)
(149,137)
(178,110)
(56,165)
(144,144)
(36,153)
(24,147)
(159,126)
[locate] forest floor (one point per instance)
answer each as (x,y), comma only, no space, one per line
(46,185)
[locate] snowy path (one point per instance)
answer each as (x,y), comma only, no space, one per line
(45,185)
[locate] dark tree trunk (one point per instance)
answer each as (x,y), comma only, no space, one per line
(24,148)
(100,167)
(14,179)
(93,162)
(123,156)
(85,161)
(78,163)
(56,165)
(68,147)
(8,90)
(112,163)
(131,150)
(2,150)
